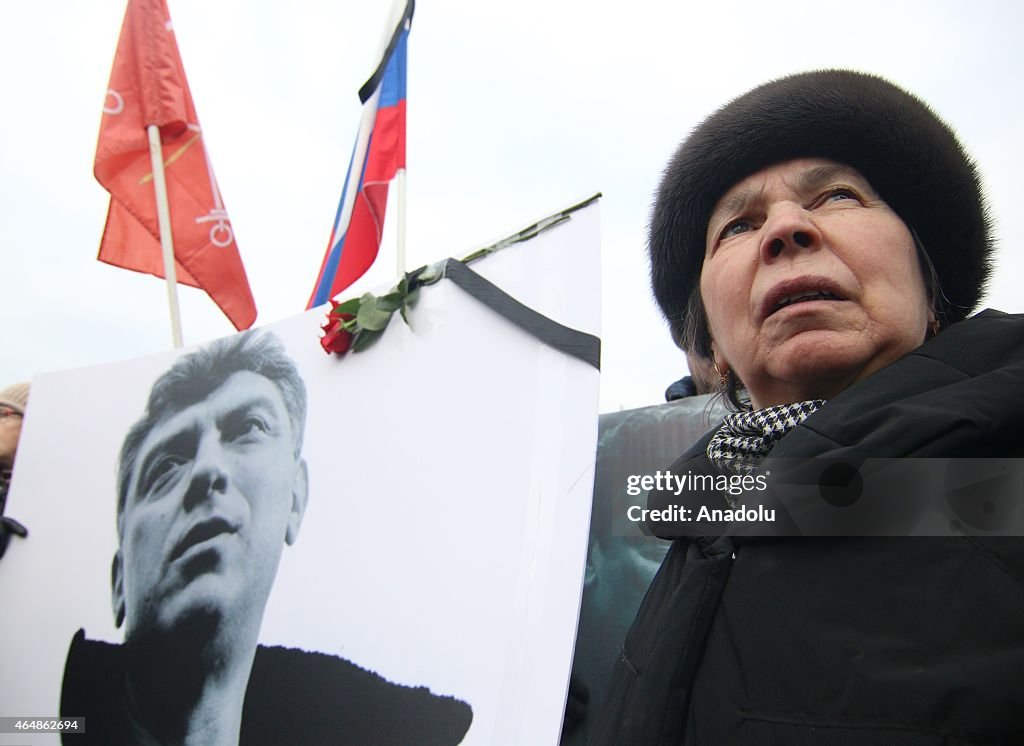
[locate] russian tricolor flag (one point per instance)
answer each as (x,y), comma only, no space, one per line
(378,154)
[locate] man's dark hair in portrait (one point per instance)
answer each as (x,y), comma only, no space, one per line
(211,486)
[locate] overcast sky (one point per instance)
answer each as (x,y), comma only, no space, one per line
(516,110)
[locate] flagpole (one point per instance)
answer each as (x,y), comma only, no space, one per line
(394,15)
(366,121)
(400,188)
(163,216)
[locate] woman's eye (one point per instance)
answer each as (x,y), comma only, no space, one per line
(735,228)
(838,194)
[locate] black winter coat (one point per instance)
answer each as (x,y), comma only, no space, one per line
(896,641)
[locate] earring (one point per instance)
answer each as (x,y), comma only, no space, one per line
(722,377)
(936,327)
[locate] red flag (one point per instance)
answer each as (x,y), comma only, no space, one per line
(148,86)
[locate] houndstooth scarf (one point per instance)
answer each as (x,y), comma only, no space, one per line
(746,437)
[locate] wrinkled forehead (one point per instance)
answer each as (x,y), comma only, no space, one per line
(799,175)
(239,391)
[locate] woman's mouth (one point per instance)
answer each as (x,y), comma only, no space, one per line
(799,290)
(804,297)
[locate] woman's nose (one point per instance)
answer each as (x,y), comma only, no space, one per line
(788,228)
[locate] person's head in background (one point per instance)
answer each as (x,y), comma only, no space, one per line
(13,401)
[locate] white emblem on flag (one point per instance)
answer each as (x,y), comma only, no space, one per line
(221,234)
(118,105)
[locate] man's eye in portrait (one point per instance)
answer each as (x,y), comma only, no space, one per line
(163,473)
(247,425)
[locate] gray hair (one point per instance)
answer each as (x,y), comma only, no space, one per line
(197,375)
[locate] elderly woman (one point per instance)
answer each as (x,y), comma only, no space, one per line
(822,239)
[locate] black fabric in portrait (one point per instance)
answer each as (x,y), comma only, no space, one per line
(293,696)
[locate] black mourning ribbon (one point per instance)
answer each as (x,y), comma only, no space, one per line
(580,345)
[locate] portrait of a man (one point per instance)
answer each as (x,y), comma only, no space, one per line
(211,486)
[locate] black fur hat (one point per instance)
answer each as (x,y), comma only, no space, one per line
(911,158)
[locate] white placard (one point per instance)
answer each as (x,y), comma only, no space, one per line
(449,472)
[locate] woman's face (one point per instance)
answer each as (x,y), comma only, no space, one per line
(810,282)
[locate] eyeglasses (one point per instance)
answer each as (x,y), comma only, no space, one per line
(9,412)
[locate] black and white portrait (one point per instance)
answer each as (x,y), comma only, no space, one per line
(211,487)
